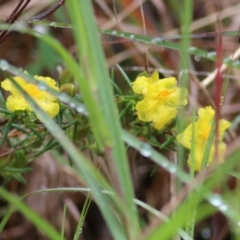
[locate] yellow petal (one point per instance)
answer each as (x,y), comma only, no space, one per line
(16,103)
(185,138)
(155,76)
(141,85)
(160,120)
(46,101)
(51,108)
(202,128)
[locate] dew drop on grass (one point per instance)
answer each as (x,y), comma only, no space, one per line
(192,49)
(114,33)
(206,233)
(223,207)
(172,169)
(41,29)
(42,86)
(63,97)
(197,58)
(159,40)
(165,165)
(216,201)
(156,40)
(81,109)
(153,41)
(72,105)
(146,150)
(132,36)
(236,63)
(211,54)
(4,65)
(53,24)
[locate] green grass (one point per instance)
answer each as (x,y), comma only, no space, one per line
(109,128)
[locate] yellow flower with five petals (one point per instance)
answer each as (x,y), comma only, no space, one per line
(161,99)
(202,128)
(44,99)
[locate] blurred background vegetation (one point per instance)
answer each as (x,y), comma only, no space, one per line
(152,184)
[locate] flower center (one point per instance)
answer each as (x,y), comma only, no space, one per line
(205,134)
(33,91)
(164,93)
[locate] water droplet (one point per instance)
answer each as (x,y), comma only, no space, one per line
(156,40)
(53,24)
(153,41)
(114,32)
(238,223)
(40,29)
(4,65)
(165,164)
(211,55)
(146,150)
(192,49)
(216,201)
(81,109)
(172,169)
(227,61)
(206,233)
(42,86)
(63,97)
(159,40)
(223,208)
(236,63)
(132,36)
(72,105)
(197,58)
(122,34)
(20,25)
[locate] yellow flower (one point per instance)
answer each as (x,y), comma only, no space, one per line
(202,128)
(161,99)
(44,99)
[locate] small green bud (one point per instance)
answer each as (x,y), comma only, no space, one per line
(68,88)
(65,77)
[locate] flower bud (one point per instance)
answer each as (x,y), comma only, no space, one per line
(68,88)
(65,77)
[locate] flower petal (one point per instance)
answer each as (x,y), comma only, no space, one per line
(46,101)
(202,129)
